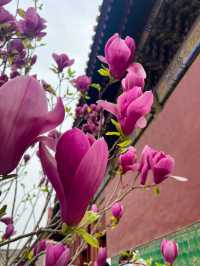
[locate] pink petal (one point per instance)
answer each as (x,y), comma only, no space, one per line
(71,148)
(110,40)
(179,178)
(50,169)
(138,69)
(64,258)
(23,100)
(102,59)
(86,181)
(137,109)
(110,107)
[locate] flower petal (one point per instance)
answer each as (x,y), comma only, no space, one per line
(50,169)
(110,107)
(23,100)
(64,258)
(71,148)
(86,181)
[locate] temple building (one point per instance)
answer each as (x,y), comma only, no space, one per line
(167,33)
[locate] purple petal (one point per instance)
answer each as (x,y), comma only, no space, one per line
(71,148)
(110,107)
(23,100)
(50,169)
(64,258)
(86,181)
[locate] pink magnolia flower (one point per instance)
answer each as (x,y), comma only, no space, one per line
(82,83)
(62,61)
(7,220)
(10,230)
(117,210)
(6,17)
(130,109)
(101,257)
(23,101)
(119,55)
(136,77)
(41,246)
(57,255)
(4,2)
(72,173)
(128,160)
(32,25)
(169,249)
(157,161)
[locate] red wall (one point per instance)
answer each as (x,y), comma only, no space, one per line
(176,131)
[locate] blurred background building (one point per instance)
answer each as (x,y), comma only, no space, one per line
(167,33)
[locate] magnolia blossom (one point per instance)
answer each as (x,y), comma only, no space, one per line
(62,61)
(169,249)
(117,210)
(41,246)
(82,83)
(136,77)
(131,107)
(160,163)
(23,101)
(72,173)
(119,55)
(10,230)
(6,17)
(32,25)
(17,52)
(57,255)
(101,257)
(128,160)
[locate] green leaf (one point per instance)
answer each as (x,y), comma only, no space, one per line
(125,143)
(116,124)
(89,239)
(70,72)
(112,133)
(96,86)
(104,72)
(3,210)
(21,12)
(89,218)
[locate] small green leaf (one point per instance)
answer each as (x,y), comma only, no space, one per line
(112,133)
(70,72)
(125,143)
(89,218)
(116,124)
(89,239)
(104,72)
(21,12)
(96,86)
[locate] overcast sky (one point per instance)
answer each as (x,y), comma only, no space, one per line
(70,30)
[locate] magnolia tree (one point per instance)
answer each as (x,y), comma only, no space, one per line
(74,163)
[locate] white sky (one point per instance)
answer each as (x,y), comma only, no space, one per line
(70,29)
